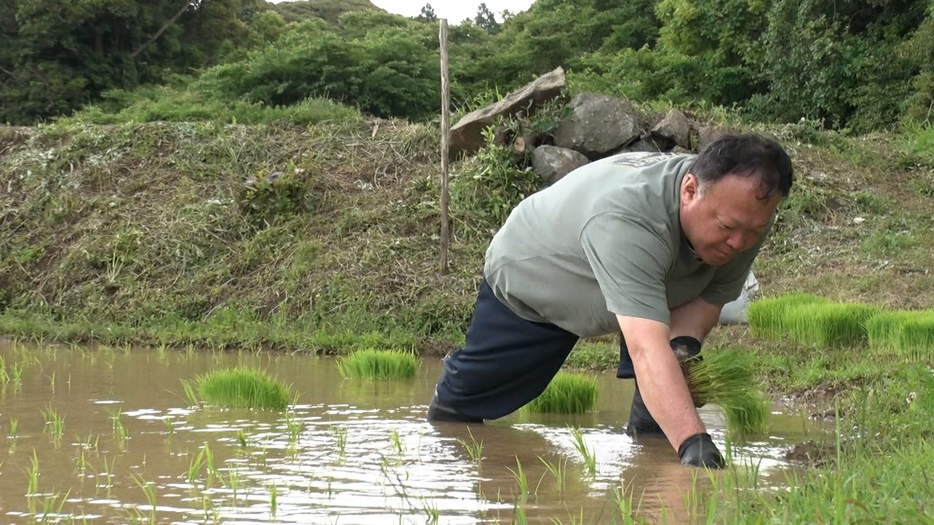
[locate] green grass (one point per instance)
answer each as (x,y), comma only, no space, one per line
(243,388)
(768,316)
(379,365)
(567,393)
(726,378)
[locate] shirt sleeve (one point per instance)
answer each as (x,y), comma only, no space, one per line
(630,259)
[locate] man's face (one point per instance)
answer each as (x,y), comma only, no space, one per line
(727,217)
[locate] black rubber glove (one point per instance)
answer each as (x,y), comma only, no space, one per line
(641,421)
(700,451)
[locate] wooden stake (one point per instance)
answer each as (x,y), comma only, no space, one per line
(445,130)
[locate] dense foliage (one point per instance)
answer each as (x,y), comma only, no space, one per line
(861,65)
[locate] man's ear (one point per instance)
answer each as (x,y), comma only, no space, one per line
(690,190)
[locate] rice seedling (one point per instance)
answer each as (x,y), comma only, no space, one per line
(204,458)
(109,472)
(432,514)
(241,438)
(54,424)
(190,395)
(474,448)
(397,445)
(557,470)
(590,459)
(829,324)
(725,378)
(341,434)
(273,505)
(14,427)
(768,316)
(521,480)
(149,492)
(567,393)
(52,507)
(379,364)
(295,426)
(882,328)
(120,432)
(915,337)
(243,388)
(32,475)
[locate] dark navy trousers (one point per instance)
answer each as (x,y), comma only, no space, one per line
(505,363)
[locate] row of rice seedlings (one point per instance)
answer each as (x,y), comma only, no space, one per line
(830,324)
(242,387)
(726,379)
(379,364)
(567,393)
(811,320)
(910,333)
(768,316)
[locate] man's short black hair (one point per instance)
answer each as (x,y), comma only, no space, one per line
(745,154)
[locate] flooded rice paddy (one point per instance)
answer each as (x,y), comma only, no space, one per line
(107,436)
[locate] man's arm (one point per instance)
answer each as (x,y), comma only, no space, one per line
(661,383)
(695,318)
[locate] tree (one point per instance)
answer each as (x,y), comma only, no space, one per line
(486,20)
(427,14)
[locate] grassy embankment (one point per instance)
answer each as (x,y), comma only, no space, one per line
(145,234)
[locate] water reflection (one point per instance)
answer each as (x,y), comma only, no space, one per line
(346,452)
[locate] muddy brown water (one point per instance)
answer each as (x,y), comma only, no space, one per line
(358,451)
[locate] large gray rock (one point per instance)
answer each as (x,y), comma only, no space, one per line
(708,134)
(645,144)
(598,125)
(673,130)
(553,163)
(466,136)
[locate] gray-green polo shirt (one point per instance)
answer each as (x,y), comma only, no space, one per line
(605,240)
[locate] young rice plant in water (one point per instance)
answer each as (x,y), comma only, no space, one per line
(243,388)
(379,364)
(725,378)
(567,394)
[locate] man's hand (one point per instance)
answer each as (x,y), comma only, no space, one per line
(700,451)
(687,351)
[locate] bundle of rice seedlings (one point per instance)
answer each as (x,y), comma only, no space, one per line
(829,324)
(768,317)
(243,388)
(379,364)
(567,393)
(882,329)
(725,378)
(915,337)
